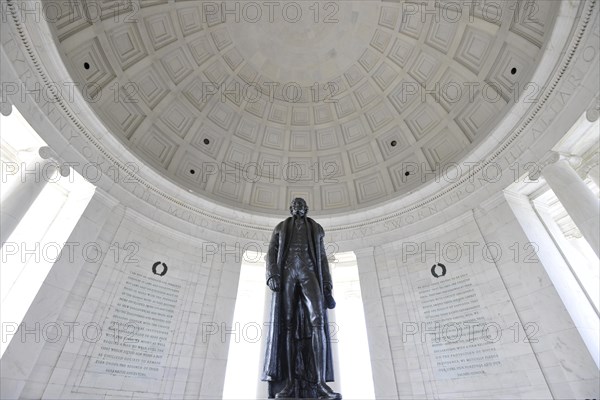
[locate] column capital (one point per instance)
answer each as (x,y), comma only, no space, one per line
(5,108)
(364,252)
(593,113)
(47,153)
(553,157)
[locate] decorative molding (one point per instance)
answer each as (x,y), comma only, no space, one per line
(420,204)
(552,157)
(48,154)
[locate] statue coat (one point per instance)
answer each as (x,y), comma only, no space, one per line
(275,366)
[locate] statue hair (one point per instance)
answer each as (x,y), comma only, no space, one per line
(305,206)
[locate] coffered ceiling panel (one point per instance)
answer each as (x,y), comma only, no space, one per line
(361,86)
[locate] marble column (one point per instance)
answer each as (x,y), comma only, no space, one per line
(590,167)
(29,362)
(225,279)
(21,194)
(575,196)
(594,174)
(382,364)
(336,385)
(591,161)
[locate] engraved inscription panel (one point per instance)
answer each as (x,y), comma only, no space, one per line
(460,339)
(137,330)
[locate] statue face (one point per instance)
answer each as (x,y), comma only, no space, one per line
(298,207)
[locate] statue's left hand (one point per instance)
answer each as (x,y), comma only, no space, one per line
(273,283)
(329,300)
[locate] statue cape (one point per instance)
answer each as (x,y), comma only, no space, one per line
(275,366)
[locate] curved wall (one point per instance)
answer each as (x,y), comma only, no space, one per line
(564,80)
(202,243)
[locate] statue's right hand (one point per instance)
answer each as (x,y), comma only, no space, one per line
(273,283)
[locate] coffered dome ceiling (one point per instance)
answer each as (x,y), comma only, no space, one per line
(341,107)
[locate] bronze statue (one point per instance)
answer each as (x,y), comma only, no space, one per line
(298,360)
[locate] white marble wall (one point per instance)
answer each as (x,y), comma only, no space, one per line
(29,360)
(513,289)
(82,294)
(515,293)
(388,384)
(544,292)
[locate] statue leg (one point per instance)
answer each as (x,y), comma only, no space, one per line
(313,298)
(288,295)
(318,344)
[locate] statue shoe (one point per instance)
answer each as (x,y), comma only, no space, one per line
(288,392)
(325,392)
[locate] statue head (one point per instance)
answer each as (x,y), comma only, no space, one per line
(298,207)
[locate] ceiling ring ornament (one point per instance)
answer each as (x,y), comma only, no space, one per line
(586,16)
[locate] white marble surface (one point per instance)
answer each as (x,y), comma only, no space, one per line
(558,365)
(59,370)
(510,292)
(579,201)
